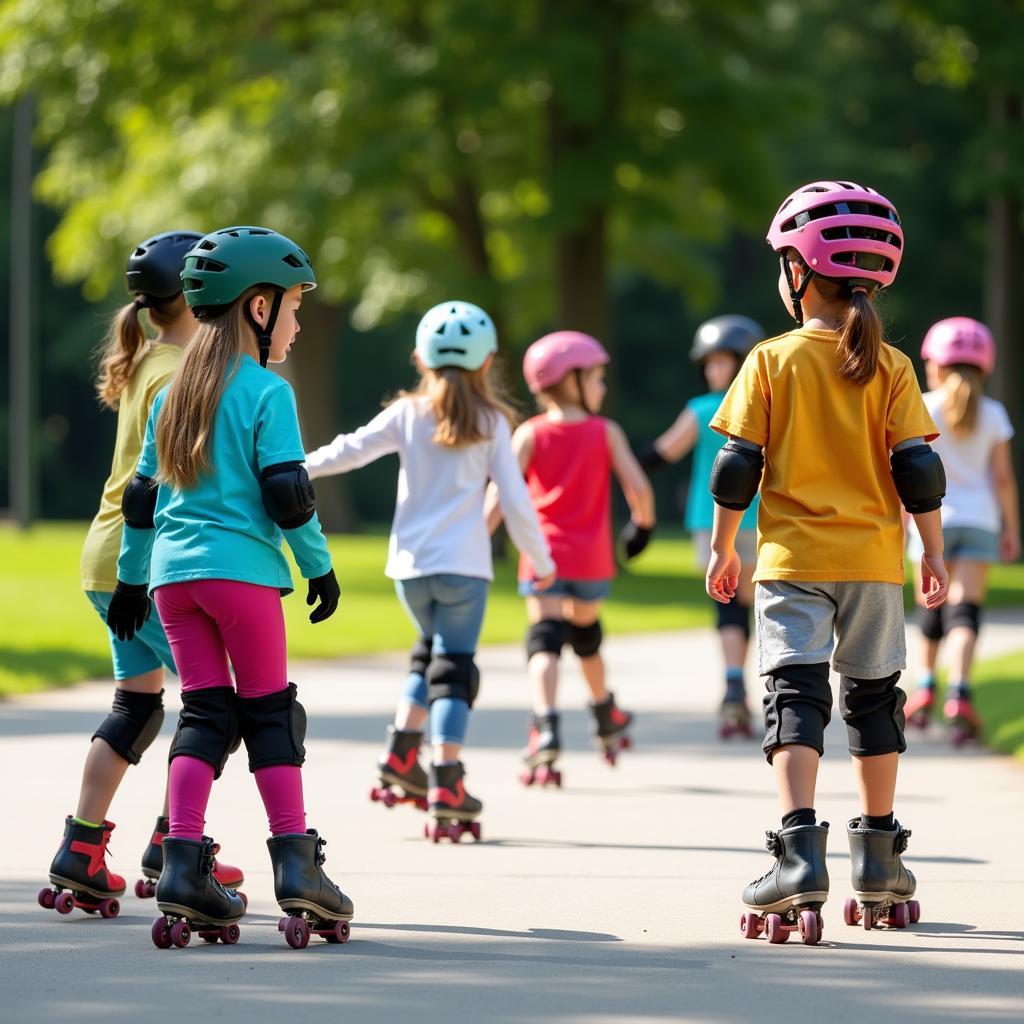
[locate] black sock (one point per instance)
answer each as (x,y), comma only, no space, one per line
(886,822)
(962,690)
(801,816)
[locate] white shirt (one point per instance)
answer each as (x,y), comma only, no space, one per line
(970,498)
(439,524)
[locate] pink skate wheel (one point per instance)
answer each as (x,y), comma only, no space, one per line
(434,832)
(339,933)
(868,918)
(281,924)
(750,925)
(914,909)
(851,912)
(181,934)
(899,916)
(526,778)
(775,929)
(810,933)
(474,831)
(110,908)
(142,889)
(374,794)
(229,934)
(296,933)
(64,903)
(389,798)
(161,934)
(46,899)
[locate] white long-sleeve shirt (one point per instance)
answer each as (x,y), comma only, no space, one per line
(439,524)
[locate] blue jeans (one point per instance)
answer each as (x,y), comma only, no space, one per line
(449,611)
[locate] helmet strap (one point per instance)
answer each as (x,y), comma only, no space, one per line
(264,332)
(579,387)
(796,294)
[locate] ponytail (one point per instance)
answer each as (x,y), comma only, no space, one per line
(961,397)
(861,333)
(125,340)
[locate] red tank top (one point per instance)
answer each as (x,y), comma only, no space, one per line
(569,479)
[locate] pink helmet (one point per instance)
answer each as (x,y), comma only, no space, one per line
(959,339)
(550,358)
(841,230)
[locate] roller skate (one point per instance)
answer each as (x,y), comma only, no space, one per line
(790,896)
(919,707)
(611,725)
(453,810)
(963,721)
(153,863)
(541,752)
(734,712)
(402,778)
(80,875)
(191,899)
(314,905)
(882,883)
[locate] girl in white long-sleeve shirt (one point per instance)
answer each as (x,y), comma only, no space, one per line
(452,436)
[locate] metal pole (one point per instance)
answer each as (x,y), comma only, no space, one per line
(22,461)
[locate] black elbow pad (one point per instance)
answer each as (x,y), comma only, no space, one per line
(288,494)
(919,477)
(736,475)
(138,503)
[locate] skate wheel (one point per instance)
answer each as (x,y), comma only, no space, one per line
(296,933)
(434,832)
(229,934)
(725,732)
(161,934)
(46,899)
(867,918)
(810,932)
(527,778)
(750,925)
(421,803)
(64,903)
(339,933)
(899,916)
(109,908)
(914,909)
(181,934)
(475,831)
(851,912)
(142,889)
(775,930)
(389,799)
(610,758)
(374,795)
(281,924)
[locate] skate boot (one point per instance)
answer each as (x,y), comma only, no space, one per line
(541,752)
(918,708)
(312,902)
(963,721)
(734,712)
(153,863)
(190,897)
(882,883)
(80,875)
(402,778)
(453,810)
(790,896)
(610,728)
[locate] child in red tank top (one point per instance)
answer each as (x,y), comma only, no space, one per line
(568,455)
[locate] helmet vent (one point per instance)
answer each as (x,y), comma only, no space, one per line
(451,350)
(464,330)
(832,234)
(205,263)
(292,260)
(206,244)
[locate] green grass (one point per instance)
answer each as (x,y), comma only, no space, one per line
(998,688)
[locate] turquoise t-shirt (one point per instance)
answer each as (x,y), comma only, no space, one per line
(700,506)
(219,529)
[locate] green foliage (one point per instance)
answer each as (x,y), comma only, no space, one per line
(998,688)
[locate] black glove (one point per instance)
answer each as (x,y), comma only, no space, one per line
(650,458)
(326,589)
(129,608)
(634,539)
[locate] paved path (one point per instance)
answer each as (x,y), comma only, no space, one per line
(615,899)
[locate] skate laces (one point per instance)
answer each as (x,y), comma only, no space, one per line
(208,861)
(902,838)
(773,844)
(321,857)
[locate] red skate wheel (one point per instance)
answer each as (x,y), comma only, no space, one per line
(110,908)
(456,832)
(867,918)
(899,916)
(339,933)
(161,933)
(775,930)
(374,794)
(142,889)
(626,743)
(281,924)
(421,803)
(64,903)
(474,831)
(750,925)
(810,933)
(181,934)
(914,909)
(46,899)
(434,832)
(229,934)
(851,912)
(296,933)
(526,778)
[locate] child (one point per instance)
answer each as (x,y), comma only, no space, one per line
(720,346)
(980,515)
(833,417)
(568,454)
(223,445)
(132,370)
(452,435)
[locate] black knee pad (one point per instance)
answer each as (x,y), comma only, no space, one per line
(419,657)
(873,712)
(207,726)
(930,621)
(797,707)
(455,676)
(585,640)
(966,614)
(273,728)
(133,723)
(546,636)
(734,614)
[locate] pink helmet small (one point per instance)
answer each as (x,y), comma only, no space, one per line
(959,339)
(841,230)
(550,358)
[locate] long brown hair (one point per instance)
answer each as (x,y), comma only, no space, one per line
(124,346)
(961,397)
(465,403)
(861,333)
(185,426)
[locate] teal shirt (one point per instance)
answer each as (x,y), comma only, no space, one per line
(219,529)
(700,506)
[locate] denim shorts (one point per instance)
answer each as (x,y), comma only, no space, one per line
(146,651)
(968,542)
(578,590)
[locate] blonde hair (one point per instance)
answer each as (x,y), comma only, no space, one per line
(124,347)
(961,397)
(465,403)
(185,425)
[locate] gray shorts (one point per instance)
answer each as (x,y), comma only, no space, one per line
(803,623)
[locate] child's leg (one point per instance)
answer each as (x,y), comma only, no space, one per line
(966,595)
(734,619)
(413,709)
(585,636)
(544,643)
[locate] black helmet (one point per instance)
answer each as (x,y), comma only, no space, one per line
(736,334)
(154,267)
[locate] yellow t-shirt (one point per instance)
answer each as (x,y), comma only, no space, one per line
(103,542)
(829,507)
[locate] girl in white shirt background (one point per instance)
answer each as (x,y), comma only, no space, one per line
(980,513)
(452,435)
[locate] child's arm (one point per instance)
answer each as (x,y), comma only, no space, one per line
(672,445)
(723,573)
(637,489)
(522,446)
(934,578)
(1005,485)
(380,437)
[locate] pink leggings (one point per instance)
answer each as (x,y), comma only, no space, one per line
(208,622)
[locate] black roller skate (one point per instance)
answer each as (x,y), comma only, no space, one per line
(80,875)
(790,896)
(153,862)
(882,883)
(402,778)
(541,752)
(313,903)
(734,712)
(611,728)
(453,810)
(191,899)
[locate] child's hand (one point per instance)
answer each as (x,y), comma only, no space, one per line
(545,582)
(934,580)
(1009,545)
(723,576)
